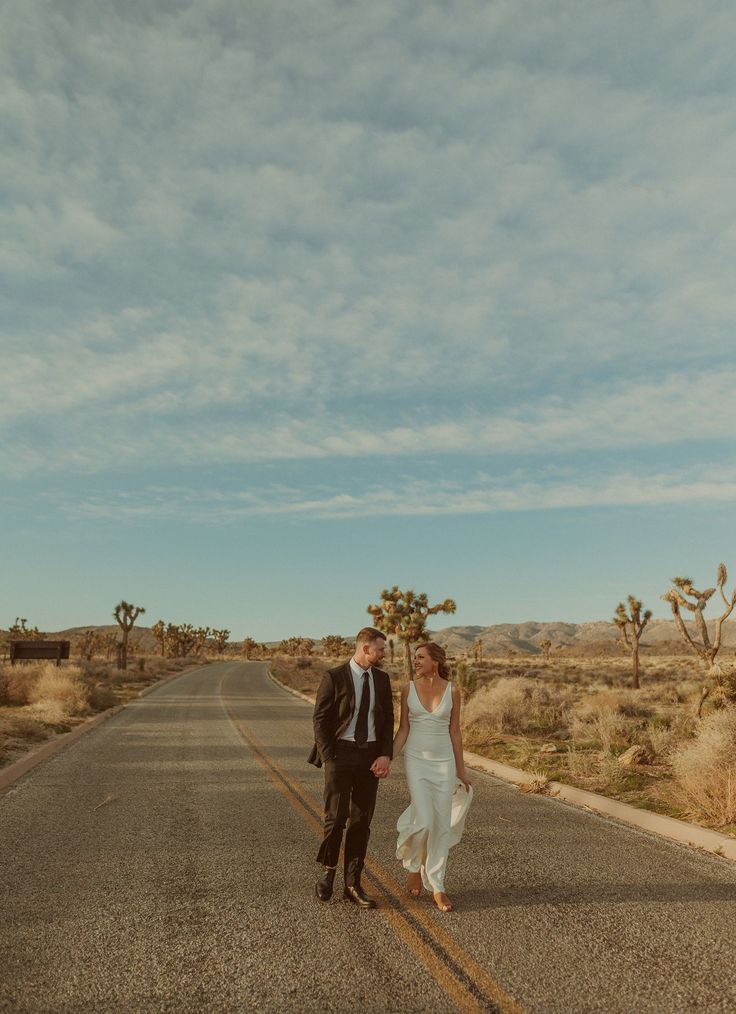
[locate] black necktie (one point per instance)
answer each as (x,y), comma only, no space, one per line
(361,726)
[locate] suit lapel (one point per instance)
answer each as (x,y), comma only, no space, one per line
(349,685)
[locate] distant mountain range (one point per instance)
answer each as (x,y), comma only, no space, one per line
(599,635)
(578,638)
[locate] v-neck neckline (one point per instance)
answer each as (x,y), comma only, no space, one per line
(439,703)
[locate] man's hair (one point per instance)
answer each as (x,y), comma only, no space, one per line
(368,634)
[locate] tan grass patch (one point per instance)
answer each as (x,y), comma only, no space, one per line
(704,770)
(58,691)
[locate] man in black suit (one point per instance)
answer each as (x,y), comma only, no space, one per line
(353,733)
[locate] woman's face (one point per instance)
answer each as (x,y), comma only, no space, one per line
(424,664)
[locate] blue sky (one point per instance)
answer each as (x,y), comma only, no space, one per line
(301,300)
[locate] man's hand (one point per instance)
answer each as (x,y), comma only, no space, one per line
(381,767)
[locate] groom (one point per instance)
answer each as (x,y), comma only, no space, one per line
(353,733)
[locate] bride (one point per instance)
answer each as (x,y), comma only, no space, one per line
(439,788)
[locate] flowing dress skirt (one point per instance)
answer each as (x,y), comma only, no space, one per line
(435,819)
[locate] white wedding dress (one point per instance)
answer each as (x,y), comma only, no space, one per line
(435,818)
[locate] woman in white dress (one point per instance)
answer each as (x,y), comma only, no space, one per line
(440,791)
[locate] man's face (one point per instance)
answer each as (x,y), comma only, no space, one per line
(374,651)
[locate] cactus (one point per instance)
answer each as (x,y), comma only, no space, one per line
(478,650)
(632,623)
(546,647)
(126,614)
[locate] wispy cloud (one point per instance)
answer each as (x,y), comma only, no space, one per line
(413,497)
(149,429)
(251,234)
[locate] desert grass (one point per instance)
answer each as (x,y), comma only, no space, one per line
(571,719)
(704,770)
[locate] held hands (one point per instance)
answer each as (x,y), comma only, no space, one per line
(381,767)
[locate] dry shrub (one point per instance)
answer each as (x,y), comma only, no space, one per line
(101,698)
(611,719)
(17,733)
(17,683)
(611,776)
(50,712)
(582,764)
(538,784)
(598,720)
(21,727)
(59,691)
(704,770)
(515,705)
(664,732)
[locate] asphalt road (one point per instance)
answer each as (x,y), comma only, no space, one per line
(165,862)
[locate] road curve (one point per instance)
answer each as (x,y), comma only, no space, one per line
(165,862)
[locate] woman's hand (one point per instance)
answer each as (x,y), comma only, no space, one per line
(465,780)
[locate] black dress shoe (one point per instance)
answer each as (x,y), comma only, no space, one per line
(358,897)
(325,884)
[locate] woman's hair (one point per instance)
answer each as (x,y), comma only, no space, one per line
(437,653)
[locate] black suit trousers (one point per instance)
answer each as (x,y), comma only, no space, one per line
(350,797)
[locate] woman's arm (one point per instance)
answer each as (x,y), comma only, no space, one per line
(456,737)
(403,730)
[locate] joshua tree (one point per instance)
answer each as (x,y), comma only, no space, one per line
(87,644)
(546,647)
(289,646)
(466,679)
(109,644)
(249,647)
(200,639)
(391,649)
(182,638)
(478,650)
(704,649)
(333,646)
(20,632)
(304,646)
(126,614)
(405,614)
(220,637)
(631,624)
(158,630)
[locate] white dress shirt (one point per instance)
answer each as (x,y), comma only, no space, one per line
(357,674)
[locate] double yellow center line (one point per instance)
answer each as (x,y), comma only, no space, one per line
(461,978)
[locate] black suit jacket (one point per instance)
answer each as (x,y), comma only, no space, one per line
(334,708)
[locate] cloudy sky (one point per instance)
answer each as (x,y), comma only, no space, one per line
(304,299)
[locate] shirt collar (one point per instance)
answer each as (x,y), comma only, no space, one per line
(358,670)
